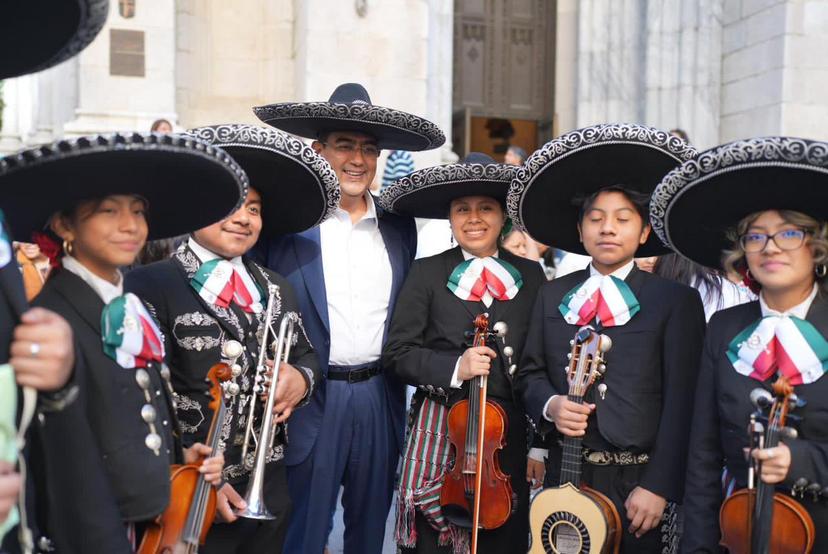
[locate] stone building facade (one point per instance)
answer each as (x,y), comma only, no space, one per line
(721,69)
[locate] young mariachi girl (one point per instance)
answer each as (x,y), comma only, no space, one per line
(428,343)
(634,433)
(756,205)
(108,455)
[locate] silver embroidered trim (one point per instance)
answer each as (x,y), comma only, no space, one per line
(445,175)
(368,113)
(93,15)
(581,139)
(186,404)
(279,142)
(734,156)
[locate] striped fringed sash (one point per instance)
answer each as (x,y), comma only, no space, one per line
(427,457)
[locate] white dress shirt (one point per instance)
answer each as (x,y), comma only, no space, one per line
(358,278)
(621,273)
(103,288)
(800,310)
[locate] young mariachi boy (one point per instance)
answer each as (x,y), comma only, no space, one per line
(427,347)
(756,205)
(209,293)
(107,455)
(634,435)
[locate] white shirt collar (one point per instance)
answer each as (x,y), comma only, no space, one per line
(622,272)
(467,256)
(103,288)
(370,213)
(206,255)
(800,310)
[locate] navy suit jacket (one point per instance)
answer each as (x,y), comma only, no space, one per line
(298,257)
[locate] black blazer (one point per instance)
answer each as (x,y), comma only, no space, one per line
(195,332)
(100,472)
(719,434)
(428,330)
(651,373)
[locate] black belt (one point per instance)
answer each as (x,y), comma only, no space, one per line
(352,374)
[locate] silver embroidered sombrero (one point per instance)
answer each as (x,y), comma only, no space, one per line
(428,192)
(699,201)
(350,109)
(546,195)
(188,183)
(37,34)
(299,189)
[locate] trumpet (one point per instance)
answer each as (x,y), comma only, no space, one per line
(256,508)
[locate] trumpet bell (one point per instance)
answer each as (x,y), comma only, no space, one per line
(256,508)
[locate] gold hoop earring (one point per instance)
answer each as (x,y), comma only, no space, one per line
(68,248)
(821,270)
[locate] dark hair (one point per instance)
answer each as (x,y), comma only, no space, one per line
(677,268)
(158,122)
(157,250)
(640,200)
(680,133)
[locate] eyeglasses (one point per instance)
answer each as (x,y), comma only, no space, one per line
(350,148)
(786,239)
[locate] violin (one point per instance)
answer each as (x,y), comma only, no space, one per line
(184,524)
(757,519)
(477,431)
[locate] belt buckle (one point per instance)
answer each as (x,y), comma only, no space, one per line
(354,376)
(599,458)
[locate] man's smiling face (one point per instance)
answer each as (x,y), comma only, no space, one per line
(353,156)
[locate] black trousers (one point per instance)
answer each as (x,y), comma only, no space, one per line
(253,536)
(512,536)
(617,482)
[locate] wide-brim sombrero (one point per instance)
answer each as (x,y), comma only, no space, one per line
(299,188)
(187,183)
(697,203)
(428,192)
(37,34)
(349,109)
(546,195)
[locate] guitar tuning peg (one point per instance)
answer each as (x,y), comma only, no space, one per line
(602,391)
(814,489)
(512,369)
(508,351)
(824,492)
(571,342)
(569,355)
(602,368)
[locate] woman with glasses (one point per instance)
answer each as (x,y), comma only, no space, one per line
(756,206)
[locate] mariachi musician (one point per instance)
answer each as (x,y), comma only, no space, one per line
(107,458)
(36,343)
(210,293)
(428,337)
(758,207)
(587,192)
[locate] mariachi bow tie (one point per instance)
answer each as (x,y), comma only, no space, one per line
(605,298)
(485,279)
(130,335)
(219,283)
(782,344)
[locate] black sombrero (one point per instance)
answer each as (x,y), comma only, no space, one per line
(350,109)
(699,201)
(545,196)
(299,189)
(37,34)
(188,184)
(428,192)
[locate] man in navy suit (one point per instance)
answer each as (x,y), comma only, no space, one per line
(347,273)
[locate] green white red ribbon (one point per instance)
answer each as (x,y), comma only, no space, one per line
(605,298)
(786,345)
(130,335)
(485,279)
(219,283)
